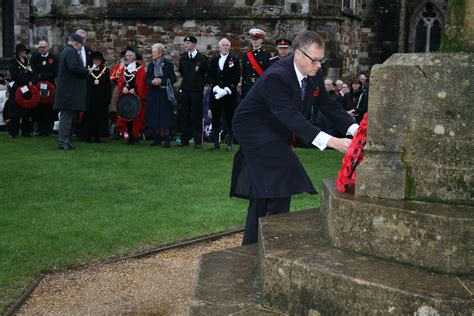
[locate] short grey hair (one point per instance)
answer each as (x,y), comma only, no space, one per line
(305,39)
(159,47)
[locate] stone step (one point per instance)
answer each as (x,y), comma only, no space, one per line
(227,284)
(303,275)
(435,236)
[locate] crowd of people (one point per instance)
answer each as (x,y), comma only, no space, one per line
(74,93)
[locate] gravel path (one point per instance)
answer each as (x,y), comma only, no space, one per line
(162,284)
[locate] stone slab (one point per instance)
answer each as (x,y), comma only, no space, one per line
(227,284)
(303,275)
(435,236)
(419,133)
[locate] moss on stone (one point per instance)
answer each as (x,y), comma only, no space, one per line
(454,37)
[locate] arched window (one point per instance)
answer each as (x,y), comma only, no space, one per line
(428,25)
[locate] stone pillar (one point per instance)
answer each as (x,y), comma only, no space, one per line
(459,31)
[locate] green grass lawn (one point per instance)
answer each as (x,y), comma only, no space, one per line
(59,209)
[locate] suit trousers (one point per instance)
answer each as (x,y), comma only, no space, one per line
(259,208)
(65,126)
(226,106)
(191,115)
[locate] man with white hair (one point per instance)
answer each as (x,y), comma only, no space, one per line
(223,76)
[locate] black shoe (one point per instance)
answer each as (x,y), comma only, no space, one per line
(70,146)
(156,143)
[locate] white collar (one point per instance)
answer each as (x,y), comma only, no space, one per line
(193,53)
(44,56)
(224,56)
(299,75)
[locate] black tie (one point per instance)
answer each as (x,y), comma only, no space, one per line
(190,56)
(303,88)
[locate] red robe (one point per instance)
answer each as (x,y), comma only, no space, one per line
(141,90)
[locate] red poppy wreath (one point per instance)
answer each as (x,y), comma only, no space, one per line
(30,102)
(49,98)
(355,154)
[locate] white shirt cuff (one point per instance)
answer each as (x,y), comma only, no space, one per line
(228,90)
(352,130)
(321,140)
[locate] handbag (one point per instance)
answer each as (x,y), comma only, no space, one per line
(170,91)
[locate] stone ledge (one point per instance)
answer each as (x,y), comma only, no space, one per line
(227,284)
(434,236)
(302,274)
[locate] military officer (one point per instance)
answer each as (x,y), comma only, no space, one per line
(255,61)
(283,48)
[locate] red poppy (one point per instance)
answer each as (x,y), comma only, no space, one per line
(50,60)
(316,92)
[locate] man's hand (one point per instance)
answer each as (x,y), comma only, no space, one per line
(340,144)
(156,81)
(132,91)
(351,112)
(125,90)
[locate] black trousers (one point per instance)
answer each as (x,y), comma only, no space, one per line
(259,208)
(45,118)
(191,115)
(224,106)
(25,124)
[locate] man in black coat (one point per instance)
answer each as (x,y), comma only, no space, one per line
(266,171)
(193,68)
(71,88)
(224,75)
(45,65)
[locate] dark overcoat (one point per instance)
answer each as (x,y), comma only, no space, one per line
(21,74)
(71,82)
(266,166)
(98,101)
(159,110)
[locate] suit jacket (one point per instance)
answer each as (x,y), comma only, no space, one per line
(71,82)
(228,77)
(265,166)
(46,68)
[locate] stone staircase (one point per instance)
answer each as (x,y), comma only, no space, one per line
(294,270)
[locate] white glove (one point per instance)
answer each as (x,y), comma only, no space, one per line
(220,93)
(229,92)
(215,89)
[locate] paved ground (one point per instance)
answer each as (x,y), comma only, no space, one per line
(162,284)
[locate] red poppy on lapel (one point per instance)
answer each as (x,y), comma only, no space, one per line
(316,92)
(230,63)
(50,60)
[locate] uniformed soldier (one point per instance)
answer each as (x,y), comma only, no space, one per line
(255,61)
(283,48)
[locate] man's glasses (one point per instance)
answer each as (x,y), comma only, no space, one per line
(42,46)
(315,61)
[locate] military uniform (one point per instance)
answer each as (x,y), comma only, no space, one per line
(249,74)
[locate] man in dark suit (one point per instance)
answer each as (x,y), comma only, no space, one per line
(71,88)
(45,65)
(224,75)
(193,68)
(266,171)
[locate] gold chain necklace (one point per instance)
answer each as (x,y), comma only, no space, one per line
(26,68)
(96,81)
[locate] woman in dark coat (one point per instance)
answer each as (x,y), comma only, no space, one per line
(159,110)
(99,93)
(22,74)
(356,101)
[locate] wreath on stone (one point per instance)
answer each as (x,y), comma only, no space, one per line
(355,154)
(29,99)
(47,99)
